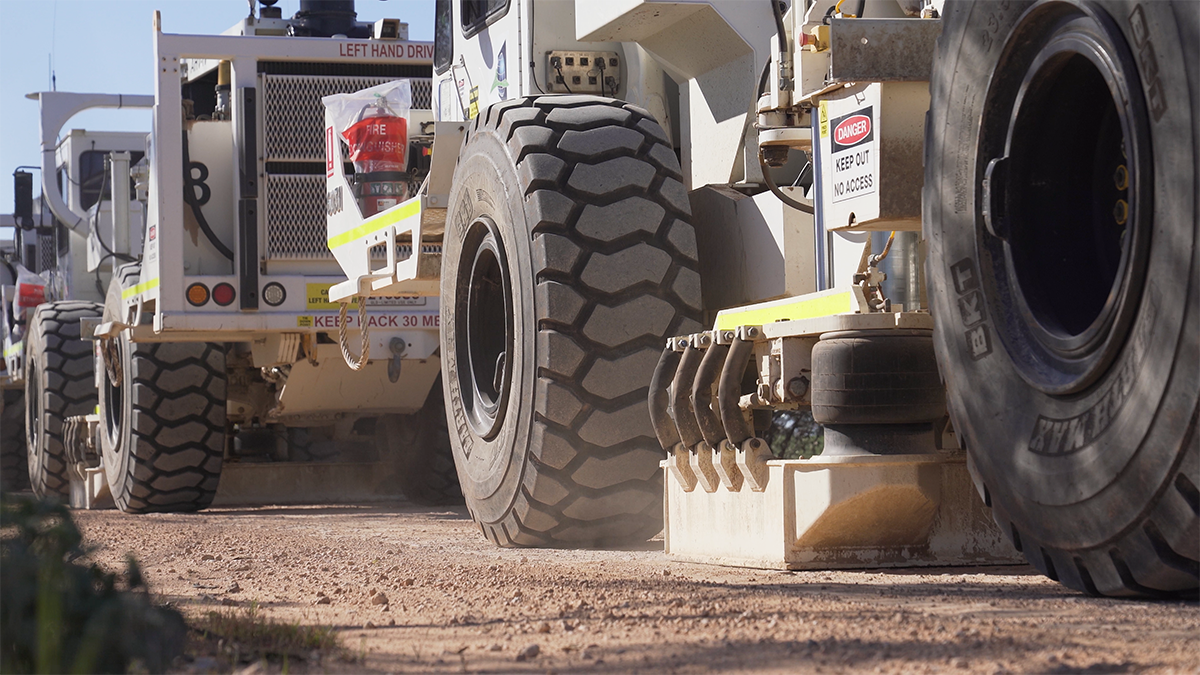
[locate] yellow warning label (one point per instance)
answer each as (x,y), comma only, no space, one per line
(316,296)
(304,322)
(473,111)
(824,119)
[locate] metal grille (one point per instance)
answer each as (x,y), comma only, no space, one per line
(296,218)
(47,253)
(294,119)
(296,227)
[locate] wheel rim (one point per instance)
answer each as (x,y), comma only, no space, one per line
(114,404)
(484,333)
(1065,202)
(33,421)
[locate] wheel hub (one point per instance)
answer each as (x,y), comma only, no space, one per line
(1065,198)
(485,329)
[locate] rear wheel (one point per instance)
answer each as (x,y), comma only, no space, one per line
(14,465)
(58,385)
(568,260)
(419,446)
(162,417)
(1060,209)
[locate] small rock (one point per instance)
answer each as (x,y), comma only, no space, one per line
(228,602)
(206,557)
(409,582)
(529,652)
(379,599)
(666,573)
(960,662)
(390,552)
(495,648)
(391,622)
(234,588)
(322,600)
(544,628)
(369,625)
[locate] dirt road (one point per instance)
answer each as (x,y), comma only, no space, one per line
(452,602)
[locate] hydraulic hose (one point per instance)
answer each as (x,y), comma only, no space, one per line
(708,420)
(660,399)
(729,391)
(681,400)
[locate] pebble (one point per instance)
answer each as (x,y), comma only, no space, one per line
(369,624)
(206,557)
(495,648)
(322,600)
(379,599)
(960,662)
(544,628)
(234,588)
(529,652)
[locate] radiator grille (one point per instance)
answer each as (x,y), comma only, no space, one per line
(293,117)
(296,217)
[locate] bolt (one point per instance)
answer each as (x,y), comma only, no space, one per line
(1121,178)
(681,343)
(1121,211)
(751,332)
(705,339)
(727,335)
(797,387)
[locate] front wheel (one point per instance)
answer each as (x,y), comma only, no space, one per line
(568,260)
(1060,209)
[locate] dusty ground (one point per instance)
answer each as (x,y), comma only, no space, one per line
(455,603)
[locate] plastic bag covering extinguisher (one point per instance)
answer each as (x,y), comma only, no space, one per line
(374,124)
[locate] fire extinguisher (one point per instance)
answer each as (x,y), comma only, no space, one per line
(378,142)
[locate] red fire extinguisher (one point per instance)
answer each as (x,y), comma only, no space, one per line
(378,142)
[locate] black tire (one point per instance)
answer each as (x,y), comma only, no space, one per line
(58,384)
(419,446)
(14,464)
(1068,320)
(569,223)
(162,435)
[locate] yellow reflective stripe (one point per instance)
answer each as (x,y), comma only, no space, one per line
(803,307)
(139,289)
(13,350)
(376,223)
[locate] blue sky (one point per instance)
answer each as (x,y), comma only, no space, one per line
(104,46)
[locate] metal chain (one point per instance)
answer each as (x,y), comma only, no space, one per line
(365,352)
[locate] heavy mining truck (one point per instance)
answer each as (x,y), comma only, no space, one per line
(962,236)
(205,369)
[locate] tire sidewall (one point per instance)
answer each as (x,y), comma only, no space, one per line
(116,451)
(1101,455)
(38,442)
(486,184)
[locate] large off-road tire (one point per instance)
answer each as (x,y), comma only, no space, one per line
(1068,318)
(418,445)
(162,419)
(14,464)
(568,260)
(58,384)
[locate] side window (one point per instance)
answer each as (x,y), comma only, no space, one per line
(443,35)
(479,14)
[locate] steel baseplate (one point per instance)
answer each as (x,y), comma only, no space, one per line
(843,512)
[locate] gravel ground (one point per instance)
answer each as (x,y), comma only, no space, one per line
(420,590)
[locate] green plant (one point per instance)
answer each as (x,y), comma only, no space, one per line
(252,635)
(794,435)
(60,616)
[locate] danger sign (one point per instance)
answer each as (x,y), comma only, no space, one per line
(852,155)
